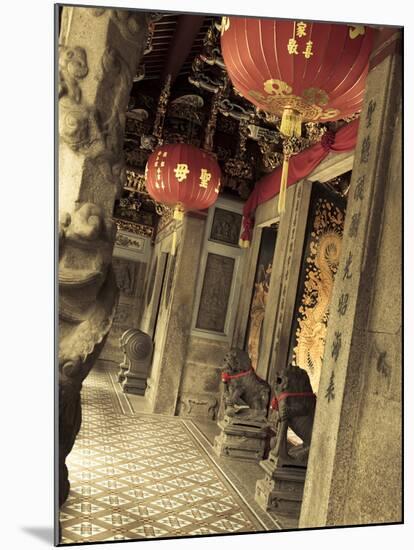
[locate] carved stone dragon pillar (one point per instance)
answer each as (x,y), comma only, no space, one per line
(99,52)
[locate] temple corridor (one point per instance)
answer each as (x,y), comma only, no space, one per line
(136,475)
(229,277)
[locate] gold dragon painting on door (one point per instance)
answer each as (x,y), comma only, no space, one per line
(322,252)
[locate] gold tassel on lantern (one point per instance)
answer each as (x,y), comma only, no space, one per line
(291,126)
(281,205)
(178,216)
(178,212)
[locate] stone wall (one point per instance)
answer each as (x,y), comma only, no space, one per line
(130,263)
(201,386)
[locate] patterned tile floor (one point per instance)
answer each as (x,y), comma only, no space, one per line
(140,476)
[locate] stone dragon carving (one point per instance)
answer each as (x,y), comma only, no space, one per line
(91,171)
(72,68)
(87,302)
(245,394)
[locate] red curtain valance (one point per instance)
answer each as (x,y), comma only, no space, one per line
(300,166)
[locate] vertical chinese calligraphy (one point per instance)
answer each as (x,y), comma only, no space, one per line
(300,31)
(330,390)
(336,345)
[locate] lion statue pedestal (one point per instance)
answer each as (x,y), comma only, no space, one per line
(244,426)
(281,489)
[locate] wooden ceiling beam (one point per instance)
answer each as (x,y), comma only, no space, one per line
(188,27)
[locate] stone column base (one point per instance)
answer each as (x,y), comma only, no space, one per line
(242,438)
(134,383)
(281,490)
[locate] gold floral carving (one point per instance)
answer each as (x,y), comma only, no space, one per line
(322,264)
(277,87)
(131,227)
(279,95)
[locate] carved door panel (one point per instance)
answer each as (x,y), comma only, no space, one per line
(320,260)
(260,293)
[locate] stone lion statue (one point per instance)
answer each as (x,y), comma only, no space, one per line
(244,392)
(294,403)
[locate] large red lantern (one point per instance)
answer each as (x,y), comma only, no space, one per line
(300,71)
(183,177)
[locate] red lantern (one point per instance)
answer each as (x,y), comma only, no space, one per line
(298,70)
(183,177)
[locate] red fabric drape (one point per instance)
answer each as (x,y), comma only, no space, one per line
(300,166)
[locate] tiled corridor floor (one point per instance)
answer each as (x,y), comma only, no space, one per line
(137,476)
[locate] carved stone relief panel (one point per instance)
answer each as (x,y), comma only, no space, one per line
(215,294)
(129,277)
(198,405)
(260,293)
(130,241)
(321,256)
(125,274)
(226,227)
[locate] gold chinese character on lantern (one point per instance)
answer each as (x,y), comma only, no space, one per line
(181,172)
(205,177)
(225,24)
(301,29)
(292,46)
(308,50)
(356,30)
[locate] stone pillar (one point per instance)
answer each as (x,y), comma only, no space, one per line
(167,374)
(354,468)
(99,51)
(284,282)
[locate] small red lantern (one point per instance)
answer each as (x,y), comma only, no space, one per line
(183,177)
(300,71)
